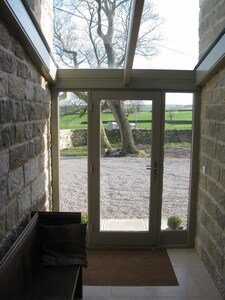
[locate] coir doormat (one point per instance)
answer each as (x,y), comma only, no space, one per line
(129,268)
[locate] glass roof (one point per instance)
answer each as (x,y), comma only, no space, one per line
(174,35)
(94,34)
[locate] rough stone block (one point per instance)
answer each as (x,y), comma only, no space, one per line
(221,77)
(24,201)
(32,111)
(46,111)
(4,36)
(47,96)
(22,70)
(29,91)
(28,131)
(218,194)
(5,111)
(19,51)
(17,87)
(39,145)
(220,283)
(11,215)
(38,188)
(209,206)
(220,136)
(25,111)
(32,149)
(221,153)
(18,155)
(31,170)
(38,94)
(39,129)
(7,62)
(222,176)
(218,28)
(210,148)
(219,259)
(220,113)
(215,173)
(212,129)
(220,218)
(3,84)
(8,135)
(3,192)
(15,182)
(4,162)
(19,133)
(222,239)
(2,225)
(16,111)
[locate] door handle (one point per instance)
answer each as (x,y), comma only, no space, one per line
(148,167)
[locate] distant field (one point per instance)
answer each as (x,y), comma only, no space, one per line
(75,122)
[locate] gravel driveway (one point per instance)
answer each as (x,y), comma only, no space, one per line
(125,187)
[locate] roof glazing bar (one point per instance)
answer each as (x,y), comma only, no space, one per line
(134,25)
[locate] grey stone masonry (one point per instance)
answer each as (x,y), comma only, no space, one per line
(211,22)
(210,237)
(25,181)
(210,231)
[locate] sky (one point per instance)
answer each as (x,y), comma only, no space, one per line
(180,45)
(179,48)
(179,98)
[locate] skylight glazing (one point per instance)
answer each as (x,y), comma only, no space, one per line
(172,27)
(93,34)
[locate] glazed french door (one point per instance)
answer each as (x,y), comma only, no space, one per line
(124,205)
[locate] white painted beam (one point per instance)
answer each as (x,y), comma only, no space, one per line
(70,79)
(134,26)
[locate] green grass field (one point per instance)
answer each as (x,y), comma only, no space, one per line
(75,122)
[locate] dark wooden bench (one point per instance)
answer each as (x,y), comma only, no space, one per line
(22,273)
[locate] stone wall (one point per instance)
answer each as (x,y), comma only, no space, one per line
(75,138)
(211,22)
(210,234)
(25,182)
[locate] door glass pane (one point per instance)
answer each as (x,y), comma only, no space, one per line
(177,160)
(73,151)
(125,177)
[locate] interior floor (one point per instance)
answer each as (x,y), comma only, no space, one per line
(194,283)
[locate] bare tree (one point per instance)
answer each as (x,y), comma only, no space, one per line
(94,33)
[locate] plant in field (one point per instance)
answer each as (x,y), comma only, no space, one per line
(84,219)
(174,222)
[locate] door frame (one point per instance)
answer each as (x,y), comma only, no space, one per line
(126,239)
(149,80)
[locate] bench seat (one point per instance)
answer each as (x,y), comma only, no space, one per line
(56,283)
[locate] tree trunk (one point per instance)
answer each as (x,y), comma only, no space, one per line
(104,137)
(127,140)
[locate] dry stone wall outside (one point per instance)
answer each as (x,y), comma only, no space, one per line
(25,181)
(210,237)
(75,138)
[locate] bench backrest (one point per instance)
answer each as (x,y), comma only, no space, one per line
(19,267)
